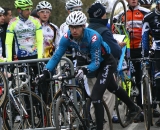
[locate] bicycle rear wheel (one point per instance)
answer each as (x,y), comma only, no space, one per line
(147,105)
(118,17)
(107,124)
(25,122)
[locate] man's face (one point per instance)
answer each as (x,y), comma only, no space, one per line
(1,19)
(79,8)
(26,11)
(132,3)
(76,31)
(8,17)
(44,15)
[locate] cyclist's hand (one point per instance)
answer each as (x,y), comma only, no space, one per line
(151,53)
(41,78)
(79,74)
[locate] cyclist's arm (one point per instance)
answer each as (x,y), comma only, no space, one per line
(145,38)
(39,39)
(9,41)
(58,54)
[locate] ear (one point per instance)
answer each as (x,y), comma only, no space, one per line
(84,26)
(19,10)
(38,13)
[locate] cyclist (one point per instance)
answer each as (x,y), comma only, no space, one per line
(71,5)
(27,31)
(1,30)
(7,18)
(135,14)
(98,23)
(50,31)
(151,24)
(88,42)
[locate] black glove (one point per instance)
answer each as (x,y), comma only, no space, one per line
(85,70)
(43,77)
(151,53)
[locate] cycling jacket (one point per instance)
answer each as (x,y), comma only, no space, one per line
(134,24)
(28,37)
(151,25)
(91,44)
(51,39)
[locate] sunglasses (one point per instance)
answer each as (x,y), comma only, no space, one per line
(76,9)
(27,8)
(45,11)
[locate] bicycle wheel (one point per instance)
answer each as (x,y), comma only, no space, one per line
(107,124)
(25,122)
(118,17)
(121,107)
(3,88)
(57,96)
(147,103)
(65,116)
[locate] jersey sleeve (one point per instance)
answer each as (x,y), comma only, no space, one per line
(39,39)
(95,52)
(145,37)
(9,40)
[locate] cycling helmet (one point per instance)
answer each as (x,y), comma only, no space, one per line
(43,5)
(145,2)
(157,1)
(76,18)
(101,2)
(73,3)
(23,3)
(2,10)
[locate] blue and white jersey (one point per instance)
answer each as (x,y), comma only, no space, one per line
(90,44)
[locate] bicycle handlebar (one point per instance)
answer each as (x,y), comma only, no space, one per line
(61,78)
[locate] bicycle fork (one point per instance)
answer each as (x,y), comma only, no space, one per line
(16,102)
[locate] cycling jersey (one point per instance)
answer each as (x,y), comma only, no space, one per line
(151,24)
(91,44)
(28,37)
(134,24)
(51,39)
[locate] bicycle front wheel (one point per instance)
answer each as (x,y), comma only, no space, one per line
(118,17)
(147,103)
(58,96)
(3,88)
(10,112)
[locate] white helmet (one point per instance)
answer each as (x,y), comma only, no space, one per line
(43,5)
(73,3)
(76,18)
(2,10)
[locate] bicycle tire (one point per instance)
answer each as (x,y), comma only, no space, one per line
(108,120)
(121,107)
(3,88)
(113,14)
(147,104)
(55,98)
(25,121)
(61,112)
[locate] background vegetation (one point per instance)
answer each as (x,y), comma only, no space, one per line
(59,12)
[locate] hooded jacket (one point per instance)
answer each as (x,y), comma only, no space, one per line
(99,25)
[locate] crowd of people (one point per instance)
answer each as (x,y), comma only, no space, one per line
(31,35)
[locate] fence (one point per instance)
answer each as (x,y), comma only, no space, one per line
(23,99)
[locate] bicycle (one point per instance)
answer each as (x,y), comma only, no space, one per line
(66,112)
(25,103)
(146,90)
